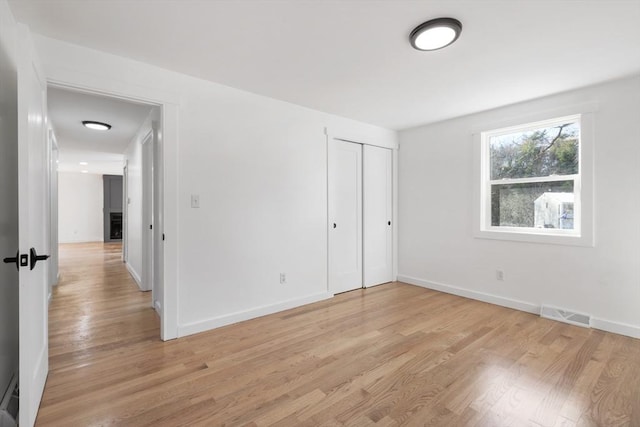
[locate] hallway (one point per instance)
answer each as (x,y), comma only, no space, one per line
(97,315)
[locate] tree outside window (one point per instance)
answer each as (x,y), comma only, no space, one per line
(532,177)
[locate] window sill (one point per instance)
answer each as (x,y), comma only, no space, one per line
(532,236)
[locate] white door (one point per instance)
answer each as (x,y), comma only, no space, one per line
(147,214)
(9,276)
(345,216)
(33,229)
(378,209)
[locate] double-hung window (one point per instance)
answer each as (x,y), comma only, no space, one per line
(531,187)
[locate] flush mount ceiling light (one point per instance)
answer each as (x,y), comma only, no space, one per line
(96,125)
(435,34)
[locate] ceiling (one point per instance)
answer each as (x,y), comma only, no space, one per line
(102,150)
(352,58)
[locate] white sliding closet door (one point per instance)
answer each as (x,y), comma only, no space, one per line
(345,216)
(378,209)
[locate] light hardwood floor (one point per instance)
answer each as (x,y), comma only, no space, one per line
(390,355)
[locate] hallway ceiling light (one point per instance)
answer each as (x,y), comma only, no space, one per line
(96,125)
(83,163)
(435,34)
(85,171)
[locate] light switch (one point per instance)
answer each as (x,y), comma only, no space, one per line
(195,201)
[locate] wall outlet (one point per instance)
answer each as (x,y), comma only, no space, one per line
(283,278)
(195,201)
(500,275)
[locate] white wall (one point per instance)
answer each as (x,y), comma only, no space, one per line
(437,248)
(80,203)
(260,168)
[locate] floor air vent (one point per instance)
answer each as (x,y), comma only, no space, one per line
(578,319)
(9,405)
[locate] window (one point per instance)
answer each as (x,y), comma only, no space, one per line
(531,182)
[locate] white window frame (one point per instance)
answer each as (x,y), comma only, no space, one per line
(582,234)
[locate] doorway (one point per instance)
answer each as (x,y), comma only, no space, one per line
(360,186)
(165,175)
(113,164)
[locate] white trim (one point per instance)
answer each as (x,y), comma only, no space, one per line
(328,153)
(66,78)
(348,134)
(239,316)
(372,143)
(616,327)
(548,178)
(395,216)
(167,221)
(468,293)
(596,323)
(378,284)
(125,210)
(527,236)
(92,240)
(135,275)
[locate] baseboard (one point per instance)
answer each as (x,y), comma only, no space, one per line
(135,275)
(616,327)
(596,323)
(377,284)
(228,319)
(100,240)
(468,293)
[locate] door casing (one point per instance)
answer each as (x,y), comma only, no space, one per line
(166,167)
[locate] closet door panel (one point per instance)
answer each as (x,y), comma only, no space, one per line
(345,216)
(378,209)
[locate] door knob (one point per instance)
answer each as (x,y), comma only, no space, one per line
(35,258)
(11,260)
(334,225)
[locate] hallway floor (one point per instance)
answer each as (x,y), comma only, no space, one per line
(99,325)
